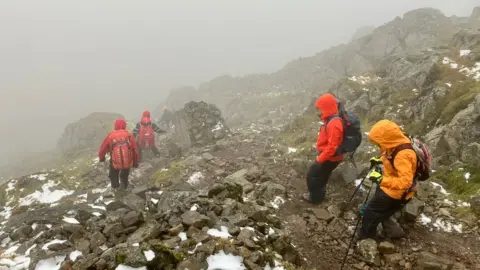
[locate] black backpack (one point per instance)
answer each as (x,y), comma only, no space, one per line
(352,135)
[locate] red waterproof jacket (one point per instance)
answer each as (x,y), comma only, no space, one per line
(120,131)
(331,134)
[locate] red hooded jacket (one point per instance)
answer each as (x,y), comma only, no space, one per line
(330,135)
(120,131)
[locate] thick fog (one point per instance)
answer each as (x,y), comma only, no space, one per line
(61,60)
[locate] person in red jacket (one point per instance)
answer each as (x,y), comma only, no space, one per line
(144,133)
(121,146)
(329,139)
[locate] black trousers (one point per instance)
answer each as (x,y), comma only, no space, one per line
(116,175)
(317,179)
(378,210)
(154,149)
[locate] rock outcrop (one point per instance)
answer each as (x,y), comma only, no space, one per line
(198,124)
(87,133)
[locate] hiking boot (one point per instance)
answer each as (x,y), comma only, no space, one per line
(306,197)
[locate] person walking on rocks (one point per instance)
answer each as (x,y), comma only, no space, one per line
(123,154)
(395,180)
(144,132)
(330,137)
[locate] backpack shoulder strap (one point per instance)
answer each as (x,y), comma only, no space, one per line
(399,148)
(330,118)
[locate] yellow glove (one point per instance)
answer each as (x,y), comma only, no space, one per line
(375,176)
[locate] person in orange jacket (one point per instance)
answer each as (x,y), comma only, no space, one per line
(329,139)
(395,183)
(123,154)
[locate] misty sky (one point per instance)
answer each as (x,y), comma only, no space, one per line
(60,60)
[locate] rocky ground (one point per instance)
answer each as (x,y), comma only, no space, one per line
(234,204)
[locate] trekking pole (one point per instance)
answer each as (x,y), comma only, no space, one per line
(354,193)
(364,204)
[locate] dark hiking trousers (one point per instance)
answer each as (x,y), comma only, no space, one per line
(317,178)
(378,210)
(153,148)
(116,175)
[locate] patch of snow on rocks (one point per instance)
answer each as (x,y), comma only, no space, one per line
(277,202)
(98,207)
(223,233)
(153,200)
(55,241)
(195,249)
(70,220)
(292,150)
(464,52)
(149,255)
(424,219)
(442,190)
(41,177)
(195,178)
(46,195)
(194,207)
(218,126)
(124,267)
(448,84)
(15,263)
(183,236)
(53,263)
(225,261)
(74,255)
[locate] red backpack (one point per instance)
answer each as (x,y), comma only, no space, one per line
(424,160)
(122,152)
(146,136)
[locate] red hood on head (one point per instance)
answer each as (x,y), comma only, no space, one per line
(146,114)
(328,105)
(120,124)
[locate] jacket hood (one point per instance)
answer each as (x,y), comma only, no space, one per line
(120,124)
(328,105)
(146,114)
(387,135)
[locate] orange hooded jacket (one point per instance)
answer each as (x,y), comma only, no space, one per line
(331,135)
(388,135)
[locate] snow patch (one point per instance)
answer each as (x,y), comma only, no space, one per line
(277,202)
(98,207)
(195,178)
(153,200)
(464,52)
(223,233)
(124,267)
(50,263)
(218,126)
(424,219)
(183,236)
(292,150)
(225,261)
(448,84)
(149,255)
(74,255)
(41,176)
(45,196)
(194,207)
(15,263)
(70,220)
(55,241)
(442,190)
(97,214)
